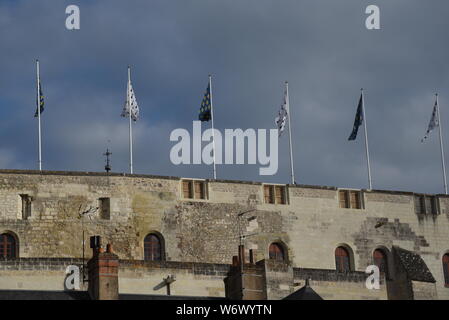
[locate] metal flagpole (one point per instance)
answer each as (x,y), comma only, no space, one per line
(441,146)
(212,116)
(366,142)
(130,123)
(39,114)
(289,132)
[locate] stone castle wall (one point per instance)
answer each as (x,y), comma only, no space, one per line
(310,226)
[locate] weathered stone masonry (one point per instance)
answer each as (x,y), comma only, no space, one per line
(310,226)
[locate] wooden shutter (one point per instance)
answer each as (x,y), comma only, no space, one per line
(434,205)
(199,190)
(268,194)
(422,205)
(343,197)
(355,199)
(187,189)
(279,194)
(419,205)
(428,204)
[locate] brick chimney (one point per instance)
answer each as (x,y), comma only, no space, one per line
(103,272)
(245,281)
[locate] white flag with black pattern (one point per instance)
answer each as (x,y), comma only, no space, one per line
(131,105)
(433,122)
(281,119)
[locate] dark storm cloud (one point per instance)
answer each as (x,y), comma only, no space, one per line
(251,47)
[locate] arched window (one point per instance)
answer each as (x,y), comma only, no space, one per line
(380,260)
(276,252)
(446,269)
(7,246)
(342,260)
(152,248)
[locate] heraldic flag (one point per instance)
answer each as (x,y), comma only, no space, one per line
(358,120)
(40,102)
(281,118)
(131,108)
(433,121)
(205,113)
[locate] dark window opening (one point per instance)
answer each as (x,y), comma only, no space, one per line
(7,246)
(446,269)
(276,252)
(342,261)
(380,260)
(152,248)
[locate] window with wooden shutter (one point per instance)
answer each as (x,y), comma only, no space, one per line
(343,198)
(199,190)
(426,204)
(446,269)
(350,199)
(187,189)
(194,189)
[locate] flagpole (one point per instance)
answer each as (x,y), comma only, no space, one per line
(366,142)
(290,134)
(443,165)
(130,124)
(212,116)
(39,114)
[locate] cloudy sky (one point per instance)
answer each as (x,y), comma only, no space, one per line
(250,47)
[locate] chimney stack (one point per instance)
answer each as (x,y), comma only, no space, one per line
(245,281)
(103,272)
(242,254)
